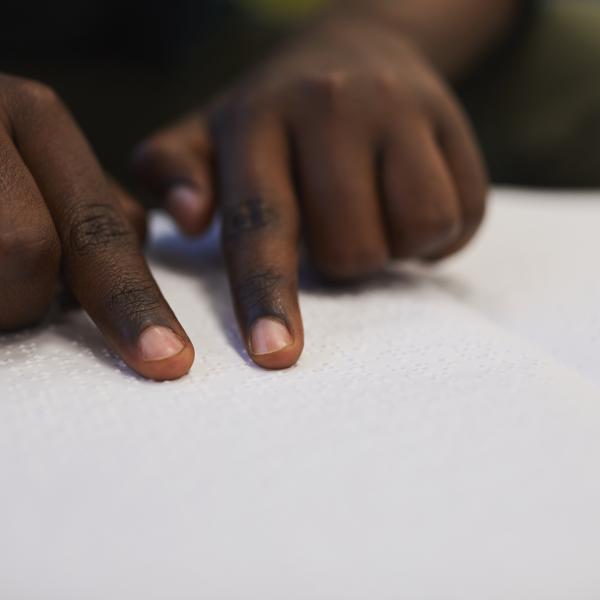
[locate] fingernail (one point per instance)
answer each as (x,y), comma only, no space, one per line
(159,343)
(185,203)
(268,336)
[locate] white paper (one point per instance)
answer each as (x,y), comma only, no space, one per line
(440,437)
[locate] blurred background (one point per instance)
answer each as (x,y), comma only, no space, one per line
(125,68)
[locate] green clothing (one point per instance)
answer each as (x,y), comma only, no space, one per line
(536,106)
(537,110)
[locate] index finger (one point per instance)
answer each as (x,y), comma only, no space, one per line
(102,262)
(260,238)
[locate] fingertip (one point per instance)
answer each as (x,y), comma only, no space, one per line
(162,355)
(271,345)
(170,369)
(278,361)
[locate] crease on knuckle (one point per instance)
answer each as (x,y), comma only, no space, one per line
(248,217)
(98,227)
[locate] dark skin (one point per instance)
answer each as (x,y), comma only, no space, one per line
(62,217)
(349,138)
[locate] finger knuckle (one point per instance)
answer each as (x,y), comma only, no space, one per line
(29,265)
(325,90)
(35,93)
(26,99)
(95,228)
(31,251)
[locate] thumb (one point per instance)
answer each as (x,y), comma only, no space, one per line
(175,165)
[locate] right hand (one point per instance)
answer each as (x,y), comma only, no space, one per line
(61,217)
(348,137)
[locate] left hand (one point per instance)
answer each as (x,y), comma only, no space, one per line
(349,131)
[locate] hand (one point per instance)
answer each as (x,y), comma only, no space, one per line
(60,216)
(348,131)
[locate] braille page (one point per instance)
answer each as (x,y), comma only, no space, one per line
(423,448)
(533,270)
